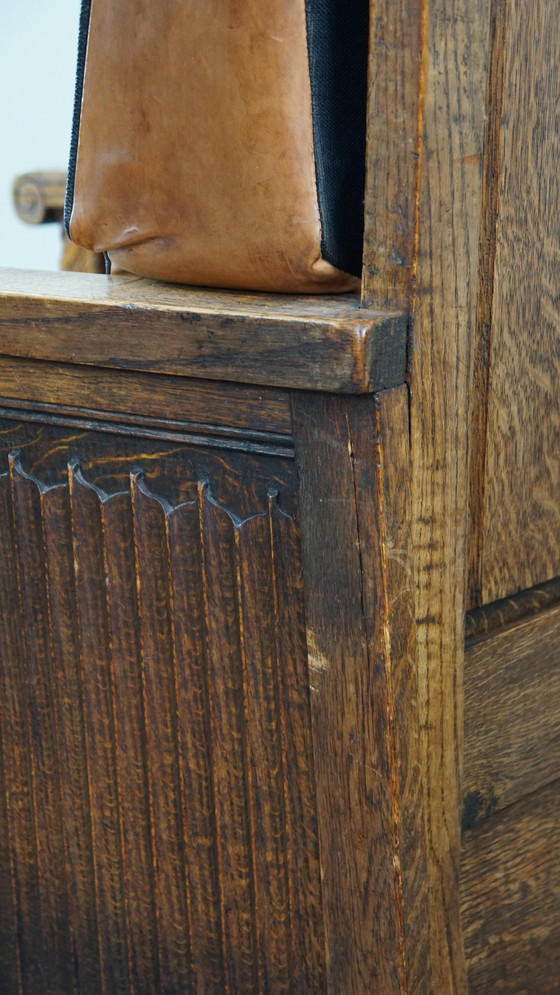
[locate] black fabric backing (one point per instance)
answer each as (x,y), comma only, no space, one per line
(78,91)
(337,39)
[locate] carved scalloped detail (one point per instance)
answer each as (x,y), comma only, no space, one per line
(156,713)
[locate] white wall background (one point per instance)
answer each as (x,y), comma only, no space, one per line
(38,45)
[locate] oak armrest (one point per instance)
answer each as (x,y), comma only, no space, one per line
(327,343)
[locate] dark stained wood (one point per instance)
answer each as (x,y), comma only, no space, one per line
(21,951)
(264,748)
(147,428)
(136,824)
(362,690)
(183,533)
(454,54)
(229,745)
(359,877)
(223,418)
(508,610)
(69,727)
(304,879)
(174,943)
(510,904)
(239,766)
(423,202)
(394,94)
(319,343)
(519,518)
(97,704)
(482,353)
(205,406)
(10,980)
(177,726)
(38,705)
(512,714)
(388,584)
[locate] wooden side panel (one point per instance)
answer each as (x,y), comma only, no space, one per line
(519,518)
(353,463)
(510,906)
(512,714)
(158,794)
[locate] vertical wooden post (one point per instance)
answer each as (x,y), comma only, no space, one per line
(353,459)
(423,201)
(454,53)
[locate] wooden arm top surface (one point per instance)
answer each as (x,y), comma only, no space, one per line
(327,343)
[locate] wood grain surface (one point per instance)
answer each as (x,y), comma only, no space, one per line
(506,611)
(97,708)
(353,462)
(451,131)
(158,800)
(423,206)
(517,509)
(510,904)
(394,93)
(240,769)
(320,343)
(512,714)
(389,608)
(482,354)
(22,935)
(206,406)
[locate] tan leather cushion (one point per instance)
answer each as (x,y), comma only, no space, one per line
(195,158)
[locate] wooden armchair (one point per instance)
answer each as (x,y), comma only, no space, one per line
(240,533)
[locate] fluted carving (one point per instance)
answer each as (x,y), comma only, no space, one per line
(155,744)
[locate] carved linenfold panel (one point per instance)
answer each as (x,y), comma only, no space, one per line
(156,775)
(38,712)
(297,755)
(9,968)
(19,876)
(229,745)
(68,713)
(160,709)
(96,691)
(130,748)
(264,744)
(188,628)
